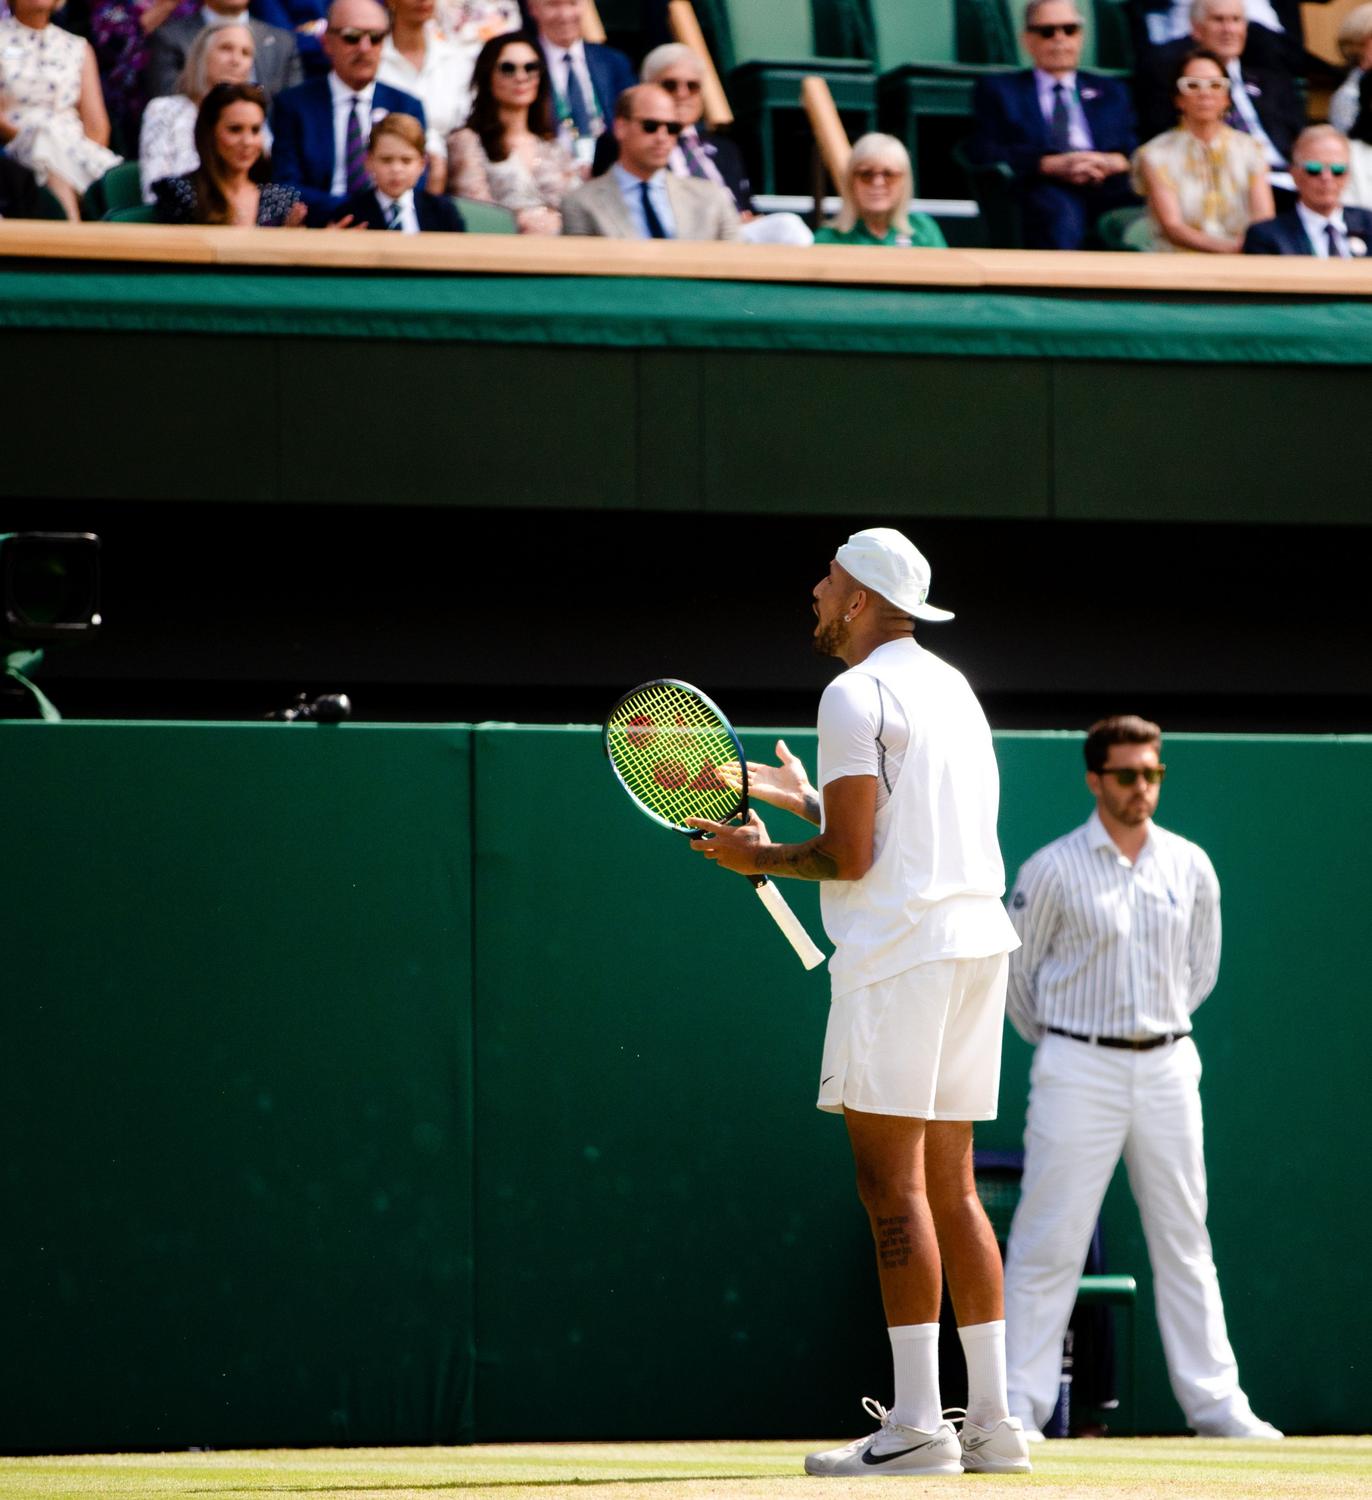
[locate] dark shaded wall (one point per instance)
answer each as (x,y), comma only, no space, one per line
(404,1085)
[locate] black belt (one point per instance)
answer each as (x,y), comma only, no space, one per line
(1123,1042)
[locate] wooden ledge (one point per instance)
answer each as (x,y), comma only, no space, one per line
(828,265)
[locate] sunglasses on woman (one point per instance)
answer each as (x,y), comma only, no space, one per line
(519,70)
(1202,85)
(876,174)
(1128,775)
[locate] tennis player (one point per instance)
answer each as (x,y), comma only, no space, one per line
(912,880)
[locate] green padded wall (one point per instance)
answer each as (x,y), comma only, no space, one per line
(310,1137)
(235,1081)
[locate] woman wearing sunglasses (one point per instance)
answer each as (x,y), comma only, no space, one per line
(1204,182)
(876,191)
(508,152)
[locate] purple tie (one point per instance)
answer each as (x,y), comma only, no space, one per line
(354,153)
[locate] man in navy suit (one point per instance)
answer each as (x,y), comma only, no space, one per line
(1318,224)
(587,79)
(1067,136)
(320,128)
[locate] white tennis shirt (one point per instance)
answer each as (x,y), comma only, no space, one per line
(935,886)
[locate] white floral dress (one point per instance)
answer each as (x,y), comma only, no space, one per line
(40,84)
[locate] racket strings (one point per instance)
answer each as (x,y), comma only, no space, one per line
(667,747)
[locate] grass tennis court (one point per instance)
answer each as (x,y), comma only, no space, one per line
(1146,1468)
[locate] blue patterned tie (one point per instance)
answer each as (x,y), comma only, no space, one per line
(393,217)
(354,152)
(576,100)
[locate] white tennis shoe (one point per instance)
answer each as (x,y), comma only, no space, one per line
(1002,1449)
(892,1450)
(1242,1426)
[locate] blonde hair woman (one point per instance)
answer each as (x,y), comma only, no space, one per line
(877,187)
(166,143)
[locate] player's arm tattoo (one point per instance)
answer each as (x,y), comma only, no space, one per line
(806,861)
(810,809)
(893,1241)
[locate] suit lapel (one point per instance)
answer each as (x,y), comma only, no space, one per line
(1027,85)
(685,208)
(612,206)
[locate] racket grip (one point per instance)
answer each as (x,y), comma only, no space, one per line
(787,920)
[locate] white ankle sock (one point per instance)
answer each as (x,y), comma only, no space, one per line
(914,1348)
(984,1346)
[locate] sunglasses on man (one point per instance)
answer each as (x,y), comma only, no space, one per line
(1319,168)
(1063,28)
(651,127)
(1127,775)
(519,69)
(679,85)
(354,36)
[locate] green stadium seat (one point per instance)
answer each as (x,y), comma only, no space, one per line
(122,187)
(1126,229)
(768,47)
(486,218)
(49,205)
(139,213)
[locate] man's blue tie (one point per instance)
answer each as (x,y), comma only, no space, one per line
(655,228)
(576,100)
(1060,123)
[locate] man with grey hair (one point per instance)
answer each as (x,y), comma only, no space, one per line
(1276,32)
(1319,224)
(701,153)
(1066,135)
(276,62)
(1264,102)
(587,78)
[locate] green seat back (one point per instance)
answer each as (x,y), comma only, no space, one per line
(909,31)
(139,213)
(122,186)
(770,30)
(49,205)
(486,218)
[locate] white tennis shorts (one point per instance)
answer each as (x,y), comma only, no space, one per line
(925,1044)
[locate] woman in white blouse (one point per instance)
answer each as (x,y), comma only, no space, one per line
(166,142)
(417,59)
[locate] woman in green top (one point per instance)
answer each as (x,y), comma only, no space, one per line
(876,188)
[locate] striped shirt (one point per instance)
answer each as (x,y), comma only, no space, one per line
(1109,948)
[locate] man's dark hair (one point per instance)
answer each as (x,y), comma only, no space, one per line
(1118,729)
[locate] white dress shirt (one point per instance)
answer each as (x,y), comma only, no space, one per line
(1112,948)
(409,219)
(443,85)
(1316,228)
(1079,136)
(341,95)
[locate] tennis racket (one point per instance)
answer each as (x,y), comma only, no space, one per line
(665,742)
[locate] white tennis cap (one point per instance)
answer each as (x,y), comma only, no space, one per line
(884,560)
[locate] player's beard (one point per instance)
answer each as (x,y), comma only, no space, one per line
(830,639)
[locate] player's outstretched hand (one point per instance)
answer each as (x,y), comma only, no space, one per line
(732,846)
(784,785)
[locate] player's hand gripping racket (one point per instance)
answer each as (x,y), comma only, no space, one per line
(665,741)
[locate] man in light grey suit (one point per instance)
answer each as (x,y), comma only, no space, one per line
(276,62)
(638,198)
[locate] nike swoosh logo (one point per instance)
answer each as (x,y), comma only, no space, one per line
(823,1081)
(971,1445)
(885,1458)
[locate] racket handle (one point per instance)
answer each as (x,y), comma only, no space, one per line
(787,920)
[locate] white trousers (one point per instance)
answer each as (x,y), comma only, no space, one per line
(1087,1105)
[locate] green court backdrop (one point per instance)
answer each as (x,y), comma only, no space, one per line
(404,1084)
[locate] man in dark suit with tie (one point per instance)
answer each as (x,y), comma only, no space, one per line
(587,79)
(1276,33)
(276,62)
(321,128)
(1264,102)
(1067,136)
(1319,224)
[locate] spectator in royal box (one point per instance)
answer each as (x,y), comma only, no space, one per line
(1357,192)
(1355,43)
(699,152)
(1205,182)
(1263,100)
(1066,135)
(121,33)
(395,162)
(276,63)
(166,142)
(638,198)
(418,60)
(321,127)
(470,24)
(1276,35)
(52,113)
(1319,224)
(876,190)
(509,152)
(232,184)
(586,77)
